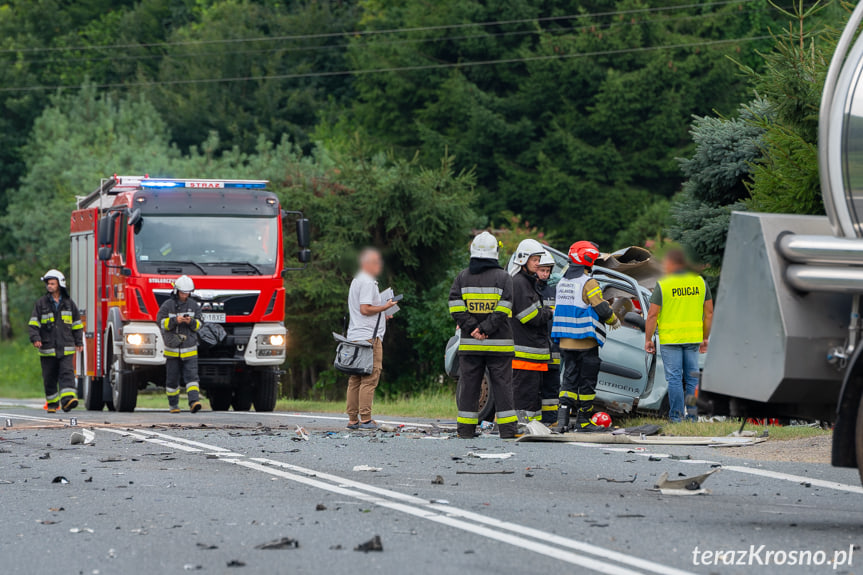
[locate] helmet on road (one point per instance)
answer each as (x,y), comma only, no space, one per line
(184,284)
(484,246)
(55,275)
(525,250)
(546,259)
(584,253)
(601,419)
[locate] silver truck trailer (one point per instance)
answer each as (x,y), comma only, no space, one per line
(786,333)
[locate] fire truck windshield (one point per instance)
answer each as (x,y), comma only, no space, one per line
(211,245)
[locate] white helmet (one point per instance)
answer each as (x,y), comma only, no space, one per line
(184,284)
(484,246)
(57,275)
(525,250)
(546,259)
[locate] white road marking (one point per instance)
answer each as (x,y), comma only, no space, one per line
(529,545)
(411,505)
(490,521)
(739,469)
(795,478)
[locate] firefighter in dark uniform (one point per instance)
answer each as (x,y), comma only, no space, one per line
(581,319)
(57,332)
(179,320)
(550,379)
(480,302)
(529,330)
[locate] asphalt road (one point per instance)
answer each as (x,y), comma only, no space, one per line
(161,493)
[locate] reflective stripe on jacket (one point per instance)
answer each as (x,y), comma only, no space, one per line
(179,337)
(60,330)
(483,300)
(529,324)
(574,317)
(681,317)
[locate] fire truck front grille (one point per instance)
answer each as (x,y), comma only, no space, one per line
(216,374)
(240,304)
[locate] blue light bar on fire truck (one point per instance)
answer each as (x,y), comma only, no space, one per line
(165,183)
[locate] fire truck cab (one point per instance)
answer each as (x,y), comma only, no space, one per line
(133,236)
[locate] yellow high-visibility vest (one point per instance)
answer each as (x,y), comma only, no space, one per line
(681,318)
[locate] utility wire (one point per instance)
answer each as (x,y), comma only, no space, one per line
(551,31)
(449,65)
(356,33)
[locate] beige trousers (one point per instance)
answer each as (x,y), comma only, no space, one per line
(361,388)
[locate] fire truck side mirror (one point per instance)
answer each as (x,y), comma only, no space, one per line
(134,217)
(106,230)
(304,256)
(304,234)
(105,253)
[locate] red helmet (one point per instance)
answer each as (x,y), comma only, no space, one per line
(601,419)
(583,253)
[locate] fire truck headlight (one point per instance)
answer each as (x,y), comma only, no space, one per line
(134,339)
(277,339)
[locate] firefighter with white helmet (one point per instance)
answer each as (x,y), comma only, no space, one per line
(480,301)
(179,319)
(550,385)
(56,330)
(529,329)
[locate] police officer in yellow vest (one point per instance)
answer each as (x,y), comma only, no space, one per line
(682,308)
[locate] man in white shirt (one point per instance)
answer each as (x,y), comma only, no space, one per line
(368,322)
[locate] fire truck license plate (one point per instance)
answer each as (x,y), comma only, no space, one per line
(213,317)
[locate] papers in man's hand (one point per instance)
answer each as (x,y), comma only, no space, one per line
(386,296)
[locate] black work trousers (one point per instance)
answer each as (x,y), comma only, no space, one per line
(58,377)
(580,372)
(526,392)
(472,370)
(187,369)
(548,393)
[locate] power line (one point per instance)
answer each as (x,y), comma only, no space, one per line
(449,65)
(401,41)
(356,33)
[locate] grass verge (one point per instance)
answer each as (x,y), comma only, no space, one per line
(20,372)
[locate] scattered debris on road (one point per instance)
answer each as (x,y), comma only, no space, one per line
(373,544)
(60,479)
(320,507)
(206,547)
(80,530)
(302,434)
(438,480)
(500,472)
(537,428)
(367,468)
(613,480)
(282,543)
(490,455)
(192,567)
(685,486)
(83,437)
(235,563)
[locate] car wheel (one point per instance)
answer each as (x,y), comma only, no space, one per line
(486,400)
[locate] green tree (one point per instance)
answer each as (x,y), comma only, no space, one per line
(725,150)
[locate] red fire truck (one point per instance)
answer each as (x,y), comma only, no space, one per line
(133,236)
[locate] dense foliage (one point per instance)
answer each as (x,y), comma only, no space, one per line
(399,124)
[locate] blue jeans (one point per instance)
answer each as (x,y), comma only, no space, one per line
(681,373)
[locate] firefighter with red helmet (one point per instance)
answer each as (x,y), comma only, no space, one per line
(529,330)
(179,319)
(581,319)
(56,330)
